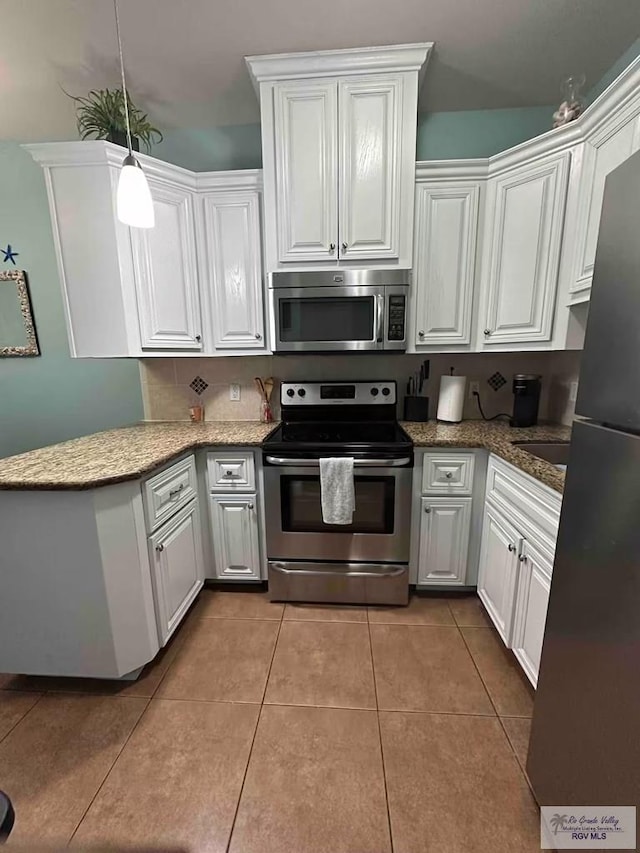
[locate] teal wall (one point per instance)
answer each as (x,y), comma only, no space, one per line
(51,397)
(478,133)
(617,68)
(212,149)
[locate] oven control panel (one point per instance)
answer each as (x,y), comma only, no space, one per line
(338,393)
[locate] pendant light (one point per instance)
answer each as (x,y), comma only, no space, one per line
(134,204)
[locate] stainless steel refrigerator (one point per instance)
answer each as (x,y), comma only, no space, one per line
(585,739)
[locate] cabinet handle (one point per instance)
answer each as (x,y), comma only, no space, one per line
(258,336)
(198,338)
(159,547)
(487,333)
(421,334)
(332,248)
(230,474)
(344,247)
(522,558)
(449,475)
(249,506)
(174,492)
(512,547)
(427,509)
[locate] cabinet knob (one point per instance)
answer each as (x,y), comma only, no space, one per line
(332,248)
(229,474)
(249,506)
(487,333)
(449,475)
(421,334)
(258,336)
(198,338)
(427,509)
(159,547)
(522,558)
(512,547)
(344,247)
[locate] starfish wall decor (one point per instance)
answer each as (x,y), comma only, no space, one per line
(9,255)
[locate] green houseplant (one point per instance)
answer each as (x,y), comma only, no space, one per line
(100,114)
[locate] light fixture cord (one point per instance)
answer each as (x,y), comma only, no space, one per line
(124,85)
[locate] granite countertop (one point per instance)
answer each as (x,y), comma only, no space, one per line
(117,455)
(497,438)
(129,453)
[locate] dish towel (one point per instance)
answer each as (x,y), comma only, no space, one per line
(336,490)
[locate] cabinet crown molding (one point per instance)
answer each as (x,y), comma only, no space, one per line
(335,63)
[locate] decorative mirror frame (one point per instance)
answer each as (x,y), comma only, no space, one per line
(32,348)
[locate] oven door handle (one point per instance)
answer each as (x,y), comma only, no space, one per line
(379,318)
(386,572)
(358,463)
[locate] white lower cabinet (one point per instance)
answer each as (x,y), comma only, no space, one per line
(234,529)
(532,599)
(444,540)
(178,567)
(498,570)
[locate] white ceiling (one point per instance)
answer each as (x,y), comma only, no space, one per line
(185,57)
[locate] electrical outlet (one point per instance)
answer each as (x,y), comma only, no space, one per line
(573,392)
(474,388)
(234,392)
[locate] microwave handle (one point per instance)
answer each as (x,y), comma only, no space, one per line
(379,318)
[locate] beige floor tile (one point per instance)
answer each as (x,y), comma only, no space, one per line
(177,781)
(469,610)
(322,663)
(325,613)
(421,610)
(13,707)
(55,759)
(518,731)
(223,660)
(454,786)
(224,604)
(426,668)
(314,784)
(510,692)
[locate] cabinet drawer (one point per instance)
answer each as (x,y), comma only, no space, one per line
(168,491)
(447,474)
(532,506)
(231,472)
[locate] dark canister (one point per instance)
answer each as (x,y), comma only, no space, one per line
(526,399)
(416,408)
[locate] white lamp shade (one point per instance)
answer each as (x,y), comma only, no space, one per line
(134,204)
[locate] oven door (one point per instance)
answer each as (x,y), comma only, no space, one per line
(325,319)
(379,533)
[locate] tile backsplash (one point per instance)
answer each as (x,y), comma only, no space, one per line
(168,392)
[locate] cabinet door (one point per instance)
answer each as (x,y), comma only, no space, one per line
(444,541)
(234,269)
(370,152)
(602,155)
(166,274)
(498,570)
(525,212)
(445,262)
(178,567)
(534,583)
(234,527)
(306,145)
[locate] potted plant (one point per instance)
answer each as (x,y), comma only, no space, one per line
(101,115)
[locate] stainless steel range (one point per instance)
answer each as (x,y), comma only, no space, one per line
(362,562)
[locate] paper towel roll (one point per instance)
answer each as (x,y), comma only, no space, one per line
(451,399)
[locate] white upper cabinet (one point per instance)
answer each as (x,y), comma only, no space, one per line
(370,167)
(522,243)
(444,270)
(166,272)
(338,142)
(602,153)
(306,146)
(232,270)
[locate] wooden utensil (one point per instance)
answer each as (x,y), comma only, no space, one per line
(268,387)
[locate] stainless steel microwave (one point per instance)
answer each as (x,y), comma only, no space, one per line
(342,310)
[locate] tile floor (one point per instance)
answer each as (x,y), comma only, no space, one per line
(263,728)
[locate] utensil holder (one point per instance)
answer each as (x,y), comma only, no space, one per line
(416,408)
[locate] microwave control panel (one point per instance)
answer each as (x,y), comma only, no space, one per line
(396,319)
